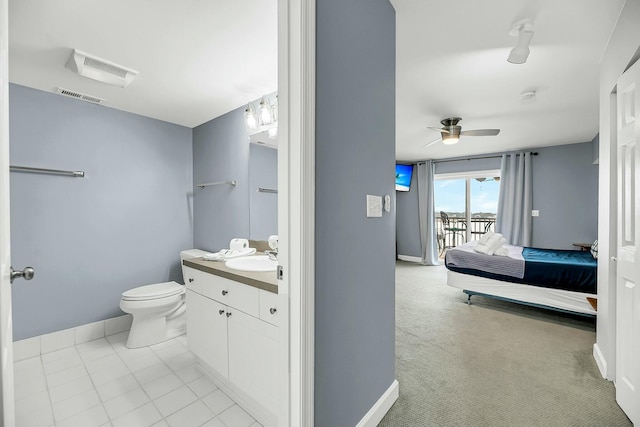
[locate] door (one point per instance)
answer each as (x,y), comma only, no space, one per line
(7,416)
(628,256)
(207,326)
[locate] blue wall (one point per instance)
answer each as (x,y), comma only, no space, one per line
(354,255)
(221,153)
(408,220)
(565,191)
(91,238)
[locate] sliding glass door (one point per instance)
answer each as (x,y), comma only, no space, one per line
(465,206)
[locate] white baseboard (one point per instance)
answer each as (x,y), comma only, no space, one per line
(410,258)
(600,360)
(47,343)
(382,406)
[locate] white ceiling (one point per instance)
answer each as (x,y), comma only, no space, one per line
(452,61)
(197,59)
(200,59)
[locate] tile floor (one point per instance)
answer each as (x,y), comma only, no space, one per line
(102,383)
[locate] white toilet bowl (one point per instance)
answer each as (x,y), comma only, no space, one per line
(158,310)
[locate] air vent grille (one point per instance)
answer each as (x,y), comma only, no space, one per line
(103,66)
(78,95)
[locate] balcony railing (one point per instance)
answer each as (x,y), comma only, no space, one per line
(476,228)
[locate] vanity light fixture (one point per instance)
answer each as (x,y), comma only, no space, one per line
(522,29)
(250,117)
(266,112)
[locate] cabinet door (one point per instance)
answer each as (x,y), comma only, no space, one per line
(207,331)
(253,358)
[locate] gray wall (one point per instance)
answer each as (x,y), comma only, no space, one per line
(355,156)
(263,172)
(408,220)
(221,153)
(91,238)
(565,191)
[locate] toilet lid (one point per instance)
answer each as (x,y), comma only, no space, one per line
(155,291)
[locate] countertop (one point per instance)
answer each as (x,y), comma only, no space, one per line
(265,280)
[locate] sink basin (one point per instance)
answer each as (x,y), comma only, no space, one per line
(252,263)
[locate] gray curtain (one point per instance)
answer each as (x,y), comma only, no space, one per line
(515,200)
(426,211)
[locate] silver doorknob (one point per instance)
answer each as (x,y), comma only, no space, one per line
(272,310)
(614,259)
(225,292)
(26,274)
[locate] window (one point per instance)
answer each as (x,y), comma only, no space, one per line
(470,200)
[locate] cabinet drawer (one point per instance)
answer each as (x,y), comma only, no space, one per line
(195,279)
(269,307)
(234,294)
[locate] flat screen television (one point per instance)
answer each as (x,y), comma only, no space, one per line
(403,177)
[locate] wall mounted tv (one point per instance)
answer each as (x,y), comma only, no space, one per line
(403,177)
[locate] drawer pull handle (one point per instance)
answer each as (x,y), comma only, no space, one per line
(272,310)
(190,279)
(221,312)
(228,314)
(225,292)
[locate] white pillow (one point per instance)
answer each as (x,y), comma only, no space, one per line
(594,249)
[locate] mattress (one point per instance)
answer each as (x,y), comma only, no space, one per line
(549,268)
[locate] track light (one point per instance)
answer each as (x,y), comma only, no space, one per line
(524,31)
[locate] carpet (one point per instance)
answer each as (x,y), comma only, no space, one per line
(492,363)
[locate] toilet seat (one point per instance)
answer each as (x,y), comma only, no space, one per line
(151,292)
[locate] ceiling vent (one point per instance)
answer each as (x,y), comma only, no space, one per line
(100,69)
(78,95)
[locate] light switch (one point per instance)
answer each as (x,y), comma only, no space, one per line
(535,212)
(374,206)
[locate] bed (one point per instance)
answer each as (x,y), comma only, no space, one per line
(562,280)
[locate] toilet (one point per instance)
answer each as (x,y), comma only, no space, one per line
(158,310)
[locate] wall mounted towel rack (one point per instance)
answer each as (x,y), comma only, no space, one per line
(266,190)
(76,174)
(208,184)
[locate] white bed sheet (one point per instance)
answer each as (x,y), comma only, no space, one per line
(557,298)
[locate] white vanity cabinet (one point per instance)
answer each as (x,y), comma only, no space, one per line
(232,329)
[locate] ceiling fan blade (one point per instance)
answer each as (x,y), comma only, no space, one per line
(480,132)
(438,129)
(429,144)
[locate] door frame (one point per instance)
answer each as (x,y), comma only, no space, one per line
(296,208)
(7,405)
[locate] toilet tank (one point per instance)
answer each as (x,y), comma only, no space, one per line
(190,253)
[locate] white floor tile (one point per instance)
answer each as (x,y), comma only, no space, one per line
(152,373)
(236,417)
(218,402)
(116,387)
(175,400)
(93,417)
(34,411)
(256,424)
(58,378)
(214,423)
(120,405)
(162,386)
(70,389)
(75,405)
(193,415)
(89,384)
(142,417)
(202,386)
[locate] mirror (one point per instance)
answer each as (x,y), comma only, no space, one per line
(263,184)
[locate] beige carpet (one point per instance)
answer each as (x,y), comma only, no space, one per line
(492,363)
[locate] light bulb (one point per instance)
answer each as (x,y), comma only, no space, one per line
(250,118)
(265,112)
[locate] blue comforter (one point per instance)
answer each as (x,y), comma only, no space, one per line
(550,268)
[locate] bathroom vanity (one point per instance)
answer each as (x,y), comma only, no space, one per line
(232,328)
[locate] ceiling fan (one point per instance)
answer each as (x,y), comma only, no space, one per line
(451,132)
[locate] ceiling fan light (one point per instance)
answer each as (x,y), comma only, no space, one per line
(449,139)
